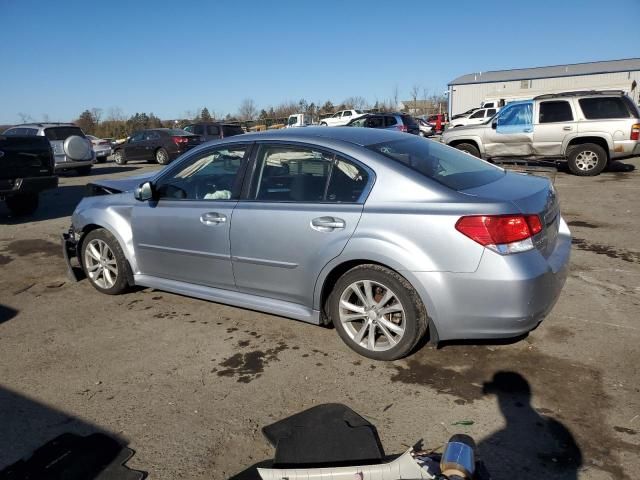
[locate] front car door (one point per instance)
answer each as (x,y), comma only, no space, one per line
(133,147)
(511,132)
(183,234)
(303,206)
(555,121)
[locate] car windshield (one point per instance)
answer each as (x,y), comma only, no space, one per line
(446,165)
(62,133)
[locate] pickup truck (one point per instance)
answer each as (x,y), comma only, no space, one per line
(587,129)
(26,169)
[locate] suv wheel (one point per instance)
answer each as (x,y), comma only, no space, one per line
(587,160)
(162,157)
(377,312)
(468,148)
(22,204)
(119,157)
(104,262)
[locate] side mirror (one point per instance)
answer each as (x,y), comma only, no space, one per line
(494,124)
(144,192)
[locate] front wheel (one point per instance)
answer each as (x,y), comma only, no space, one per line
(377,312)
(587,160)
(323,124)
(22,204)
(162,157)
(104,262)
(468,148)
(119,157)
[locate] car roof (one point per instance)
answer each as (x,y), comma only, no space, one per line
(356,136)
(45,125)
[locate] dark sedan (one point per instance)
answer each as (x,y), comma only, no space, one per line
(161,145)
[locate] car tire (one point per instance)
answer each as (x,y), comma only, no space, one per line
(469,148)
(162,157)
(587,160)
(409,317)
(23,204)
(104,262)
(84,170)
(119,157)
(422,134)
(323,124)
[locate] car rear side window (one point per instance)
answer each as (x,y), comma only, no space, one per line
(300,174)
(376,122)
(556,111)
(198,129)
(231,130)
(445,165)
(62,133)
(390,120)
(213,130)
(603,108)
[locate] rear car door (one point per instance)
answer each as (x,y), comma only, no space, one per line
(152,141)
(511,132)
(303,206)
(183,234)
(555,121)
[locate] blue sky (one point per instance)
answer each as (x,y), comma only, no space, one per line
(168,57)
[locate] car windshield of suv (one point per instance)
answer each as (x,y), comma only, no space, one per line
(446,165)
(62,133)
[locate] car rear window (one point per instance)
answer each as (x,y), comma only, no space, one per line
(231,130)
(446,165)
(62,133)
(603,107)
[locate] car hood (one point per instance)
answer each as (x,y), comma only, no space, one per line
(125,184)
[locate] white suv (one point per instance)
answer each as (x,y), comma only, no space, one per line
(341,118)
(479,116)
(587,129)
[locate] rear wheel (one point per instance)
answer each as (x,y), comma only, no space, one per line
(104,262)
(162,157)
(468,148)
(377,312)
(587,160)
(323,124)
(23,204)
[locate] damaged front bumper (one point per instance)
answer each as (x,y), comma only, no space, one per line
(69,252)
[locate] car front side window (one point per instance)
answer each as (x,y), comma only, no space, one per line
(211,175)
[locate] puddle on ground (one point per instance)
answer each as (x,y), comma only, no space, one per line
(580,223)
(249,366)
(36,246)
(572,394)
(600,249)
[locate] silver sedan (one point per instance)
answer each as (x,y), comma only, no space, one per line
(386,236)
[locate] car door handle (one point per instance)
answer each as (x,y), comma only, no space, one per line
(327,224)
(566,128)
(212,218)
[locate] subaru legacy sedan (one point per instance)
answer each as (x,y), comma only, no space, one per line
(386,236)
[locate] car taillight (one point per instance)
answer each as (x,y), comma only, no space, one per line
(635,131)
(179,140)
(403,128)
(501,233)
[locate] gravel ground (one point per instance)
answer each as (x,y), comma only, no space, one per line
(188,384)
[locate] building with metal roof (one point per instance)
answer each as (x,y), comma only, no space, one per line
(470,90)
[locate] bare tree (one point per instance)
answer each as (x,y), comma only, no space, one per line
(247,110)
(97,114)
(355,102)
(116,114)
(415,91)
(25,117)
(395,97)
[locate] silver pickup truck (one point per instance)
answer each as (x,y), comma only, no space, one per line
(587,129)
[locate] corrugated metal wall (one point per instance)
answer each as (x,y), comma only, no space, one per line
(464,97)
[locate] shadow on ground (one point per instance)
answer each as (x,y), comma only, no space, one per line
(38,441)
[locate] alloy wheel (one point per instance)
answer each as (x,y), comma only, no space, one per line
(101,264)
(587,160)
(372,315)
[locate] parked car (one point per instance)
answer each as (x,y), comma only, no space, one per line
(479,116)
(426,129)
(161,145)
(386,235)
(71,148)
(341,118)
(439,121)
(102,148)
(26,169)
(465,114)
(214,130)
(390,121)
(586,129)
(298,120)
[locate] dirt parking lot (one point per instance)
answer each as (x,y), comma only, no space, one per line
(188,384)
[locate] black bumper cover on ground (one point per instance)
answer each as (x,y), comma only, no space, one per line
(69,251)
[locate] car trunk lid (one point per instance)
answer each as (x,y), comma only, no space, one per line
(529,194)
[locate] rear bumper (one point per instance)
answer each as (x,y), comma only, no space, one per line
(625,149)
(65,163)
(27,185)
(506,297)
